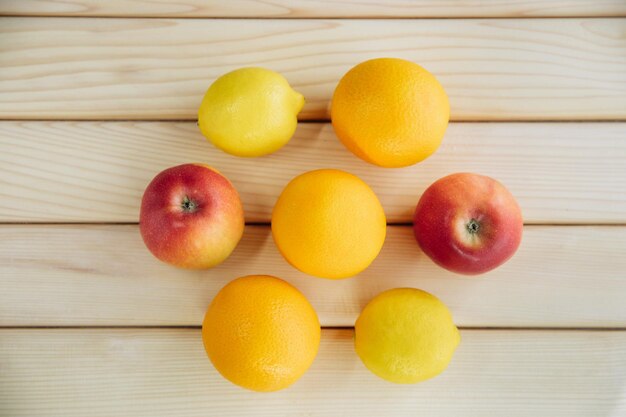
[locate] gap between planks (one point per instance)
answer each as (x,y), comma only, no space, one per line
(402,224)
(298,9)
(186,327)
(305,121)
(261,18)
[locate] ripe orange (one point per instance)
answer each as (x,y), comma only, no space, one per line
(261,333)
(328,223)
(390,112)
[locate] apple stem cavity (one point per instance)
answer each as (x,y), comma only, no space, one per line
(188,205)
(473,226)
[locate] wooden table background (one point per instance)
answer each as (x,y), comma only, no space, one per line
(96,97)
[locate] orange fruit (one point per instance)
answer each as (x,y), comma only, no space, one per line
(390,112)
(261,333)
(328,223)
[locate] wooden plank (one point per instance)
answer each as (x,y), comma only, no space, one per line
(82,275)
(503,69)
(96,172)
(155,373)
(314,8)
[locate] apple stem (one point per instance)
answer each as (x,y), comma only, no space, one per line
(188,205)
(473,226)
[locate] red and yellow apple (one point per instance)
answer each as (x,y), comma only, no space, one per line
(468,223)
(191,216)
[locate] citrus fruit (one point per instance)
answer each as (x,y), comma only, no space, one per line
(328,223)
(390,112)
(250,112)
(261,333)
(405,336)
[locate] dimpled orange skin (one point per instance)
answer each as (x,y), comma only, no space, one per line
(329,224)
(390,112)
(261,333)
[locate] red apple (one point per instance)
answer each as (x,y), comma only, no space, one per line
(191,216)
(468,223)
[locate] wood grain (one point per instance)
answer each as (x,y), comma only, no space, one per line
(498,69)
(96,172)
(315,8)
(67,275)
(166,372)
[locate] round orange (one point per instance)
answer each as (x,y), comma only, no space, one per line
(390,112)
(328,223)
(261,333)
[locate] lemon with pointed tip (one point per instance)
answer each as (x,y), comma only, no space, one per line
(250,112)
(405,336)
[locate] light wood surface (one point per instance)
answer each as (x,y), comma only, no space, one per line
(166,372)
(97,171)
(97,97)
(103,275)
(315,8)
(498,69)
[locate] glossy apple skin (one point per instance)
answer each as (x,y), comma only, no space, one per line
(443,221)
(195,237)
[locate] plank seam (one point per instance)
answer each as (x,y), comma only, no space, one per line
(361,17)
(198,327)
(268,224)
(310,121)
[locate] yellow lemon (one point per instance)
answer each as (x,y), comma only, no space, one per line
(261,333)
(328,223)
(250,112)
(390,112)
(405,336)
